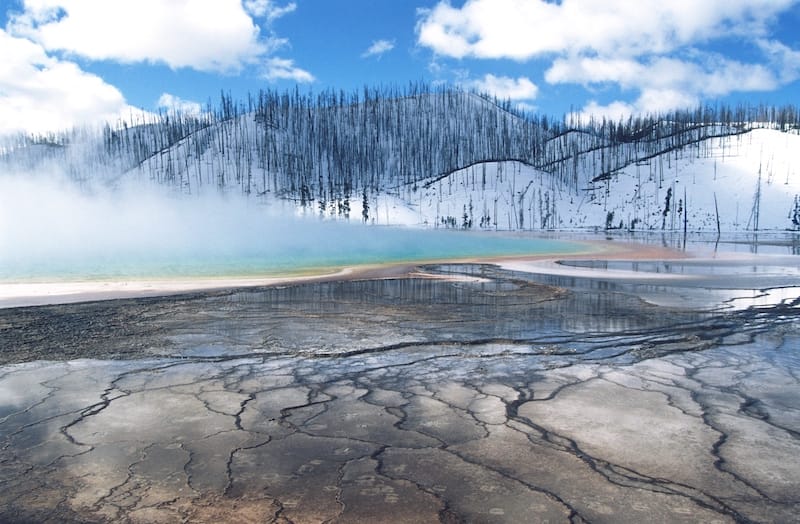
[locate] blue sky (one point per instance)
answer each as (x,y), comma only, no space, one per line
(67,62)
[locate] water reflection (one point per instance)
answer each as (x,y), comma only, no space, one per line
(789,268)
(507,304)
(339,317)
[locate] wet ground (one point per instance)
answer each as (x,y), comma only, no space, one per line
(504,397)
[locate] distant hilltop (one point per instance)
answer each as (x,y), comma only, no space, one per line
(444,157)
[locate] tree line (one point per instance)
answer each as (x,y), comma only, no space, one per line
(327,148)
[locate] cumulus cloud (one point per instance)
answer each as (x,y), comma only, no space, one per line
(649,46)
(284,69)
(175,103)
(662,83)
(378,48)
(505,87)
(713,75)
(39,93)
(613,111)
(42,87)
(649,101)
(783,58)
(207,36)
(523,29)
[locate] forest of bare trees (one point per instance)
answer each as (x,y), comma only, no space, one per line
(328,148)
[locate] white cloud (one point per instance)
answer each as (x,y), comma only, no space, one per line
(613,111)
(524,29)
(504,87)
(649,46)
(378,48)
(711,75)
(204,35)
(41,88)
(785,59)
(39,93)
(650,101)
(664,83)
(579,69)
(655,100)
(284,69)
(268,9)
(175,103)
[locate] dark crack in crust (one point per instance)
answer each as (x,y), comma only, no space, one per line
(400,400)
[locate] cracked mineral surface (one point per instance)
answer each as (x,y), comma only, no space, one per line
(503,397)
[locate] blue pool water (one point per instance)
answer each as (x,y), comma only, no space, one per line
(290,248)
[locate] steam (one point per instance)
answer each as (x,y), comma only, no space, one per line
(53,228)
(53,216)
(49,224)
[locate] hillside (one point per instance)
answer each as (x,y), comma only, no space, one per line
(448,158)
(750,181)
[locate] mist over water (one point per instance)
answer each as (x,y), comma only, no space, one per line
(52,229)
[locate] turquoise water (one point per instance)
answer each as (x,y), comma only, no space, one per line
(284,250)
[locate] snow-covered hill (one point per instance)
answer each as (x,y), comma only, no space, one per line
(748,181)
(441,158)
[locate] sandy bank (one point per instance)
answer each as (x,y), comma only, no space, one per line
(41,293)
